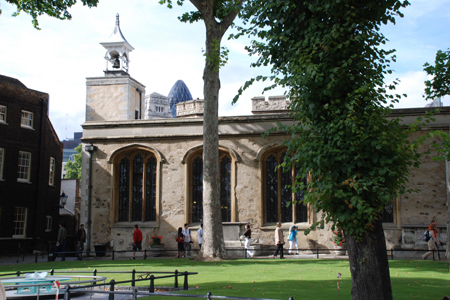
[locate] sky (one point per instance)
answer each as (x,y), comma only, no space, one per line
(58,58)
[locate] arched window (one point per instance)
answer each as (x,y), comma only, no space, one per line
(196,186)
(136,187)
(278,197)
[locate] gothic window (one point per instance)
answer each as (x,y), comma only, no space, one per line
(136,187)
(278,196)
(196,191)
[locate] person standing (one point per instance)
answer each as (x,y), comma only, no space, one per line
(81,239)
(293,239)
(180,242)
(61,241)
(432,242)
(137,242)
(248,241)
(187,241)
(435,235)
(279,241)
(200,236)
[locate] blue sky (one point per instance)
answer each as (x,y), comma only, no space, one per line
(58,58)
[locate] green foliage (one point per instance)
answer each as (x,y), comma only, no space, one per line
(218,58)
(53,8)
(73,169)
(439,85)
(328,54)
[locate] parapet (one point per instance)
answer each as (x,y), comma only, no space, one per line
(190,109)
(275,105)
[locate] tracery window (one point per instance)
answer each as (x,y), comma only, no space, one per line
(278,197)
(197,186)
(137,187)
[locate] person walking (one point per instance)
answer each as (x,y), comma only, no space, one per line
(279,241)
(293,239)
(435,235)
(200,237)
(137,242)
(61,241)
(81,239)
(180,243)
(432,242)
(248,241)
(187,241)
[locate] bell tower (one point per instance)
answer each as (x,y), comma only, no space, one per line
(117,51)
(115,96)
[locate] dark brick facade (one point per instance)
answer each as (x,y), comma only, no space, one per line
(37,195)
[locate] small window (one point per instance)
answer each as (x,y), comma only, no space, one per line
(27,119)
(24,167)
(51,177)
(136,115)
(49,223)
(2,114)
(2,155)
(20,222)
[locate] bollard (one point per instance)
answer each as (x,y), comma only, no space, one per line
(176,279)
(95,274)
(111,290)
(67,293)
(185,286)
(208,295)
(133,277)
(152,284)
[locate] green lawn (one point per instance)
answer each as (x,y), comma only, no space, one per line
(278,279)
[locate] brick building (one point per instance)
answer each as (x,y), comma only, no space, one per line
(30,169)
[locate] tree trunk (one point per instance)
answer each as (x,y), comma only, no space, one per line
(369,266)
(213,246)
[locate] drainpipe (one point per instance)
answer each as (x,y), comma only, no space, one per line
(90,149)
(140,103)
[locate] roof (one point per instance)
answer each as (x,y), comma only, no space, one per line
(11,80)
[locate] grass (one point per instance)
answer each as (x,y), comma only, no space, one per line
(277,279)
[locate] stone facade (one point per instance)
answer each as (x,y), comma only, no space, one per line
(190,109)
(275,104)
(174,141)
(157,107)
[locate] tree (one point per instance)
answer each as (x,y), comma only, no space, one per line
(439,86)
(328,55)
(73,169)
(218,15)
(57,9)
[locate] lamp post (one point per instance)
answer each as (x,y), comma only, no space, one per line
(90,149)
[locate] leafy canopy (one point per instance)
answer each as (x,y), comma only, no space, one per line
(73,169)
(53,8)
(329,55)
(439,85)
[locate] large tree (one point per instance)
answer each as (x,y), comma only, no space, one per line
(329,55)
(439,86)
(54,8)
(218,15)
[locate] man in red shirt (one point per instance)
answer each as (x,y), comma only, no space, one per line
(137,242)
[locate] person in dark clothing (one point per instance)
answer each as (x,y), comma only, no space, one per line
(61,242)
(137,242)
(81,240)
(180,241)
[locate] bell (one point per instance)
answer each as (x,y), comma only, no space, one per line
(116,64)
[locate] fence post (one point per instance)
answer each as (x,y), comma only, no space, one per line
(18,273)
(176,279)
(113,255)
(392,253)
(67,293)
(152,284)
(317,250)
(185,286)
(35,257)
(133,277)
(52,272)
(111,289)
(134,294)
(95,274)
(208,295)
(291,298)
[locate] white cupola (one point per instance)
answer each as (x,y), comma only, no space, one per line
(118,51)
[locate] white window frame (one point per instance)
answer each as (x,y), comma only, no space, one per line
(51,176)
(27,119)
(2,162)
(20,222)
(24,167)
(3,114)
(49,223)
